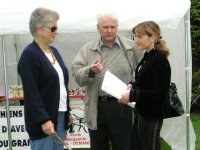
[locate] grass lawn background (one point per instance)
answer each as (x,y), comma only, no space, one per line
(195,118)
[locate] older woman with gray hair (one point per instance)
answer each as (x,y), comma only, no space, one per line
(44,78)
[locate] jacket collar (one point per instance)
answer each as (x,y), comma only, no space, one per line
(120,40)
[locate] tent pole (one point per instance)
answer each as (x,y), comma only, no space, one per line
(187,74)
(17,55)
(7,97)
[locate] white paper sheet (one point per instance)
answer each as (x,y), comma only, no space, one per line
(114,86)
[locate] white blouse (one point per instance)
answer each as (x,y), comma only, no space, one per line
(63,91)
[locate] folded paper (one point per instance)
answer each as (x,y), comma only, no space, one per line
(114,86)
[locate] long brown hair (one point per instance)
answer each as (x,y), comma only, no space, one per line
(151,28)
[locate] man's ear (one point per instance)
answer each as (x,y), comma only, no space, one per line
(98,27)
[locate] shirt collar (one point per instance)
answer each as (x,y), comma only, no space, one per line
(116,42)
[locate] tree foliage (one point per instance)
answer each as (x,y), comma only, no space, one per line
(195,34)
(195,25)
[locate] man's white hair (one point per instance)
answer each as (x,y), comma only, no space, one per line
(107,14)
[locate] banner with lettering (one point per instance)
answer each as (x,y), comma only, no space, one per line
(77,135)
(20,140)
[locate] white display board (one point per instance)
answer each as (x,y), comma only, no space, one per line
(77,137)
(20,140)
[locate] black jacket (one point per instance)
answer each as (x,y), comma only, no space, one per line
(41,89)
(152,80)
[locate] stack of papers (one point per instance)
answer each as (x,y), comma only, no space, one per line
(114,86)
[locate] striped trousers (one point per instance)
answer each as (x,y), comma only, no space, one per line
(146,133)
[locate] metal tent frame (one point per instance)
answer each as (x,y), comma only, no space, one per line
(188,61)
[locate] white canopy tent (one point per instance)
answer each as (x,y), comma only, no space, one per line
(77,25)
(80,16)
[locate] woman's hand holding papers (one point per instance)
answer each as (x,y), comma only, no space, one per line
(125,96)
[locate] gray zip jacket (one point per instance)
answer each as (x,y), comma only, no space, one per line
(80,71)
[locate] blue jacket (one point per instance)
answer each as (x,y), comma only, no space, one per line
(41,89)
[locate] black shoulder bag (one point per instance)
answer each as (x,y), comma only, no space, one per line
(173,106)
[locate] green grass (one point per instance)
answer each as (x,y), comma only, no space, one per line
(164,145)
(195,118)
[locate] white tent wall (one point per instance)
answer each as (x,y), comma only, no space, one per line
(68,45)
(1,64)
(80,16)
(174,130)
(77,25)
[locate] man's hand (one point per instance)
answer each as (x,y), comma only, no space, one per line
(96,67)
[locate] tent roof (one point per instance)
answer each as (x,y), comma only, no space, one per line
(80,15)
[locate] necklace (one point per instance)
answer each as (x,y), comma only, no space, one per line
(54,58)
(51,52)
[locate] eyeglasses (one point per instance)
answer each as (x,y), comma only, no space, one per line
(53,29)
(57,140)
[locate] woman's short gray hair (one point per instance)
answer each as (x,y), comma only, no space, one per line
(40,17)
(110,14)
